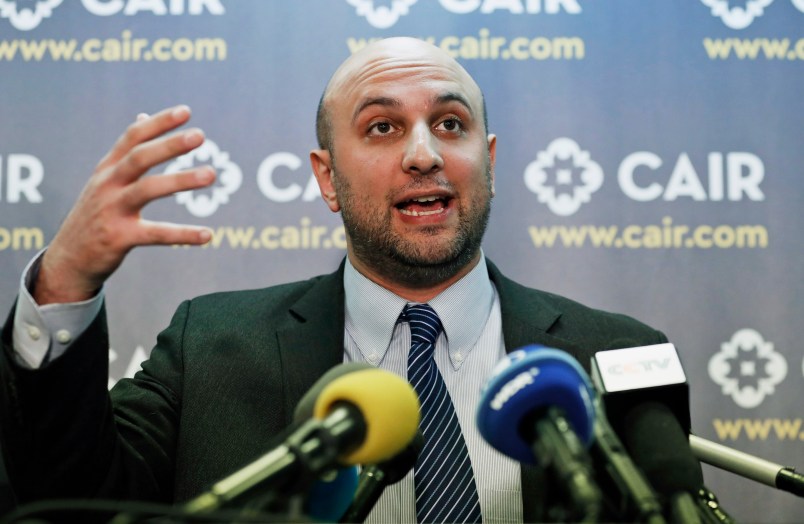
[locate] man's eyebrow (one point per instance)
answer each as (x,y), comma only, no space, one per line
(453,97)
(376,101)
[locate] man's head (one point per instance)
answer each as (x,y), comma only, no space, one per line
(405,157)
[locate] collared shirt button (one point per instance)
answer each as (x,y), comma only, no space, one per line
(63,336)
(34,332)
(373,358)
(459,356)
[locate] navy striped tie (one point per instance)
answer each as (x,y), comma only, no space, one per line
(445,484)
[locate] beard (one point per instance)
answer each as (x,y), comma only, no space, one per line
(413,261)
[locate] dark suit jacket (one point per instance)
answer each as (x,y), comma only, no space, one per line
(224,378)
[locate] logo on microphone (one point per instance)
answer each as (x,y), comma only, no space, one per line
(382,17)
(563,176)
(747,368)
(737,17)
(203,203)
(514,386)
(27,18)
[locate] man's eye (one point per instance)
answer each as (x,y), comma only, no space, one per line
(451,124)
(381,128)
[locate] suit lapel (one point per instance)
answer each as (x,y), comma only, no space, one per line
(311,342)
(529,316)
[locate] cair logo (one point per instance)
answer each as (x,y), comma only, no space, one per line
(26,18)
(383,14)
(747,368)
(742,16)
(203,203)
(564,177)
(26,15)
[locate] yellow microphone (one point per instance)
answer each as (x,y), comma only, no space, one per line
(360,415)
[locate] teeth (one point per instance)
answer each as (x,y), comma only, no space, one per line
(425,199)
(421,213)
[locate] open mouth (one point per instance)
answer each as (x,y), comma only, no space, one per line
(423,206)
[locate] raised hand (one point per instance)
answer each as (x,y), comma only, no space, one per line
(106,223)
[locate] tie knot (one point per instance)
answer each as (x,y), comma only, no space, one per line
(424,323)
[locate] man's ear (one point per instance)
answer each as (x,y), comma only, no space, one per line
(492,139)
(321,160)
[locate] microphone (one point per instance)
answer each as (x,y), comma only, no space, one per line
(329,496)
(537,408)
(659,445)
(645,393)
(631,376)
(305,409)
(376,477)
(630,497)
(362,416)
(748,466)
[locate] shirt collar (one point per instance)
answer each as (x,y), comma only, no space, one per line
(372,311)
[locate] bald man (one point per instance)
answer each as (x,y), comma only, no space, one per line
(406,158)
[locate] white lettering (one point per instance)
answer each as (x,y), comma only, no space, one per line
(743,171)
(748,184)
(213,6)
(715,161)
(156,7)
(265,177)
(24,174)
(625,175)
(512,387)
(684,181)
(513,6)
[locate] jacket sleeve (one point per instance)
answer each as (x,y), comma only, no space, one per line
(64,435)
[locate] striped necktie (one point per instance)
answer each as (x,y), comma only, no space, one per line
(445,484)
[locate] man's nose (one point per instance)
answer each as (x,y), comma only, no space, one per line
(421,151)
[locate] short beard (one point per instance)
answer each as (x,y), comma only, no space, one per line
(406,263)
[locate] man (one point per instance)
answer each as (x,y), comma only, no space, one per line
(405,157)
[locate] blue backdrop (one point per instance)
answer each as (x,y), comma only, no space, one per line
(649,161)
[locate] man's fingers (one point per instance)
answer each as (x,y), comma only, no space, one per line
(144,129)
(145,156)
(153,187)
(166,233)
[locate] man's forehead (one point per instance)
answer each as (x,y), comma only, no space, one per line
(395,59)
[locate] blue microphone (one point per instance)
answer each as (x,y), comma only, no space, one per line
(538,408)
(330,495)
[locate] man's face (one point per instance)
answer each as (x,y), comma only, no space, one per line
(410,165)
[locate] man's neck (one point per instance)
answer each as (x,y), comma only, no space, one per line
(421,294)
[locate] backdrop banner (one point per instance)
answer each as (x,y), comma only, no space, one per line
(647,163)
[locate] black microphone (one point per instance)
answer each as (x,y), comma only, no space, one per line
(659,445)
(645,393)
(376,477)
(537,408)
(629,496)
(366,415)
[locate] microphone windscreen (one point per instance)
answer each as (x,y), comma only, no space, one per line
(526,382)
(660,447)
(390,409)
(306,406)
(329,496)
